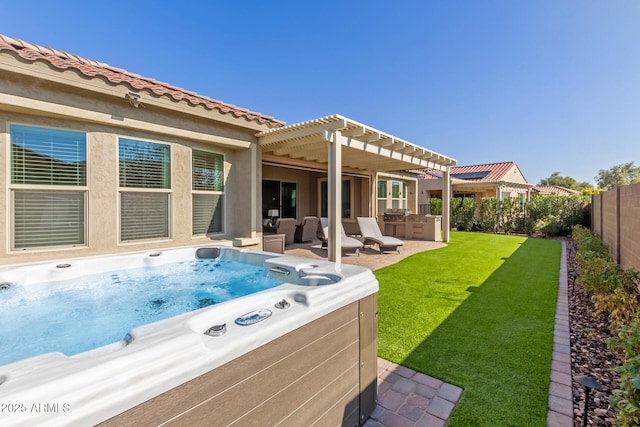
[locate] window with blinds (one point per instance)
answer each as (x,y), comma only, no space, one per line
(145,189)
(144,164)
(207,183)
(42,161)
(144,216)
(48,218)
(42,156)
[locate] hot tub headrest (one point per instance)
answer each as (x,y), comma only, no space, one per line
(208,253)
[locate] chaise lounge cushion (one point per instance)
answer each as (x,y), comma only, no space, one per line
(371,232)
(347,243)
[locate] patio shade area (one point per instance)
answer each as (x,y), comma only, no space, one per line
(341,145)
(364,149)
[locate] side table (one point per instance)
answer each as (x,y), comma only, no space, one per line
(273,243)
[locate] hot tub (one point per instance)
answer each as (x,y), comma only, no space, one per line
(300,353)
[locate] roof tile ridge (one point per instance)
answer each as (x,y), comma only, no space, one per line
(57,58)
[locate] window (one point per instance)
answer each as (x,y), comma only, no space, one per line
(382,196)
(145,189)
(207,185)
(346,198)
(279,195)
(396,198)
(48,187)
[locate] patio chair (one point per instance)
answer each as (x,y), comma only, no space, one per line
(370,230)
(286,226)
(309,228)
(347,243)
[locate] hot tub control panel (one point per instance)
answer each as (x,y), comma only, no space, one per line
(253,317)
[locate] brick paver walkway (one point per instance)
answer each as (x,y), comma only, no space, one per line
(560,393)
(407,398)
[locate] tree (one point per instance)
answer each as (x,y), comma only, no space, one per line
(565,181)
(622,174)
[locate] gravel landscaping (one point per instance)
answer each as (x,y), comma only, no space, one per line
(589,352)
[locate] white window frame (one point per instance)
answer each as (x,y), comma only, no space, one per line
(401,201)
(141,190)
(14,188)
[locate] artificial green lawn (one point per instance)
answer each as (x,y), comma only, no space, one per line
(478,314)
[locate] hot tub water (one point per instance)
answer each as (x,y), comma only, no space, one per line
(81,314)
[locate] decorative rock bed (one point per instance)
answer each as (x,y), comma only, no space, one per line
(590,354)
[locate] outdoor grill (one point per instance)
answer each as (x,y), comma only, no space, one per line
(395,215)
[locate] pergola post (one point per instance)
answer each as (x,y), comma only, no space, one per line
(254,190)
(334,196)
(373,195)
(446,204)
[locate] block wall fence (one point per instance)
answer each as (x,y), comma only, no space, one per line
(615,217)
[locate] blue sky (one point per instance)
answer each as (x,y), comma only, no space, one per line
(553,85)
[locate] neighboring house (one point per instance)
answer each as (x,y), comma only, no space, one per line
(97,160)
(552,190)
(500,180)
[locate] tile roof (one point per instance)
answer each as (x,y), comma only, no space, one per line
(553,189)
(489,172)
(90,68)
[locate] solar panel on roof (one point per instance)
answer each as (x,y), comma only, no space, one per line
(470,175)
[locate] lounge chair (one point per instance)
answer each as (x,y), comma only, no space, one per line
(347,243)
(286,226)
(371,233)
(309,228)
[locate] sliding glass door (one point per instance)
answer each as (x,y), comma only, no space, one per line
(281,196)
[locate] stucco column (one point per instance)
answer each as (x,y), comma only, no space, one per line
(255,181)
(334,190)
(446,204)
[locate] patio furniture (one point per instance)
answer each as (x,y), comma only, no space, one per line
(273,243)
(286,226)
(309,228)
(347,243)
(370,230)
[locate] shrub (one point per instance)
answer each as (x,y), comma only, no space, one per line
(587,241)
(436,206)
(554,214)
(489,211)
(621,306)
(462,212)
(596,273)
(510,215)
(626,398)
